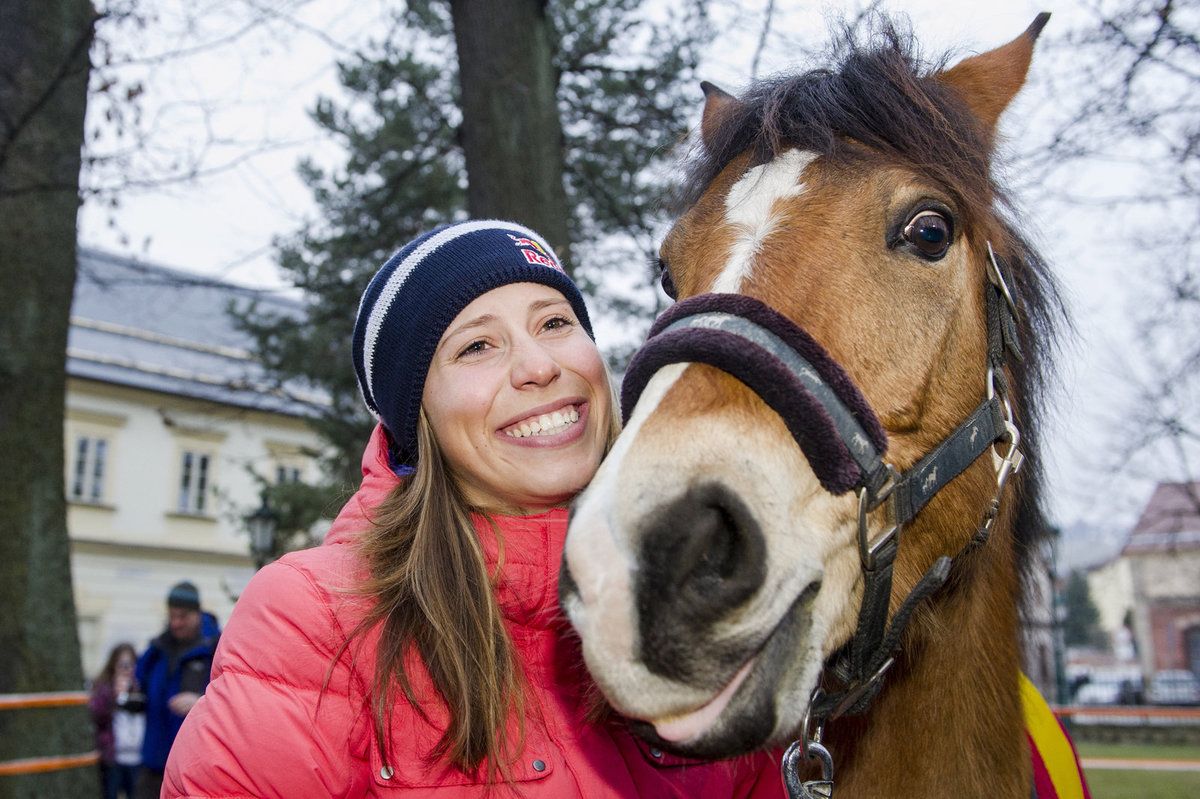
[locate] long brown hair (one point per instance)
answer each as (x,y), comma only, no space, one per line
(435,597)
(110,667)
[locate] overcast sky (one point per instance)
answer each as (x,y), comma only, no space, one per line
(238,91)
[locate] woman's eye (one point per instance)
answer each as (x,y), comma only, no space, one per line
(474,348)
(929,233)
(554,323)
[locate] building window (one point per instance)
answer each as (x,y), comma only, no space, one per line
(87,472)
(287,474)
(193,482)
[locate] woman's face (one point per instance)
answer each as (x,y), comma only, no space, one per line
(518,398)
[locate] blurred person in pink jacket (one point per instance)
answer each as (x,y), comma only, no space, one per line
(420,652)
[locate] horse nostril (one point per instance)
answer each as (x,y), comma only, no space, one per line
(704,552)
(715,545)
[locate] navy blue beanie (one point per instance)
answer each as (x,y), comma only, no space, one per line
(184,595)
(415,296)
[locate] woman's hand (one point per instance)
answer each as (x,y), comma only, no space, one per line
(182,702)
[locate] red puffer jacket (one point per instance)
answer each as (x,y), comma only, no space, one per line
(267,728)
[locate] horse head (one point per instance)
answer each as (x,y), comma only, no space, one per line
(713,569)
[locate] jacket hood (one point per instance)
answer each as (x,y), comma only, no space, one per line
(378,481)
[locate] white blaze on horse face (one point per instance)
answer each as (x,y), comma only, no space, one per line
(750,207)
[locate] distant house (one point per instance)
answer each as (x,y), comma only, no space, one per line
(1163,553)
(168,419)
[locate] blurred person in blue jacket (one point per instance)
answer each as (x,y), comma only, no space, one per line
(173,672)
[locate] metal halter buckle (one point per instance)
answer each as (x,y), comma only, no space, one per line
(867,549)
(852,697)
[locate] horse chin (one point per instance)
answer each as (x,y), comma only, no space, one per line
(763,703)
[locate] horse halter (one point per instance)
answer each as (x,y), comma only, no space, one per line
(844,443)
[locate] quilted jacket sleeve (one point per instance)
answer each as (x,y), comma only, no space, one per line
(269,725)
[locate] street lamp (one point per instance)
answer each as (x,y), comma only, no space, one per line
(262,524)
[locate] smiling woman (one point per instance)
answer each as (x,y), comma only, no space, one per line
(421,650)
(520,399)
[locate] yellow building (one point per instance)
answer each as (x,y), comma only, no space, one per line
(168,420)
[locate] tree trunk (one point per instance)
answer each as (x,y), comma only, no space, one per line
(44,69)
(512,135)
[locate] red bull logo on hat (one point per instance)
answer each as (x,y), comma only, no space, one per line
(537,255)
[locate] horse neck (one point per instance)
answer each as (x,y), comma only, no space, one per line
(948,721)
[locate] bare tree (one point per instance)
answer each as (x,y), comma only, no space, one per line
(1131,79)
(44,70)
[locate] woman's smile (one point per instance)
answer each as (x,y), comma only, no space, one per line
(549,426)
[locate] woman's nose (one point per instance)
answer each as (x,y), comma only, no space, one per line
(534,365)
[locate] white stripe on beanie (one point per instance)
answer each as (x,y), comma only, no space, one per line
(396,280)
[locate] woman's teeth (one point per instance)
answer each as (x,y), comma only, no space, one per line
(545,425)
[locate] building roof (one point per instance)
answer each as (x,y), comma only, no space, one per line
(1170,522)
(150,327)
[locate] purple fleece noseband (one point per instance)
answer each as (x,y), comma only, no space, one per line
(824,411)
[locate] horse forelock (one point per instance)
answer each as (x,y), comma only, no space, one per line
(879,103)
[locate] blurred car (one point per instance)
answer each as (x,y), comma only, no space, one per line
(1098,693)
(1174,687)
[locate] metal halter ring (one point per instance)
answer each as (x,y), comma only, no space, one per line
(1006,463)
(817,695)
(997,279)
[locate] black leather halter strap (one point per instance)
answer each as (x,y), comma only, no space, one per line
(845,444)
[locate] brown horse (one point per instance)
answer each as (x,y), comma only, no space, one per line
(727,559)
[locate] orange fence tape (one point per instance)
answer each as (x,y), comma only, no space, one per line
(48,699)
(37,765)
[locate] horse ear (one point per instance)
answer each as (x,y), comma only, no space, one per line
(989,81)
(718,105)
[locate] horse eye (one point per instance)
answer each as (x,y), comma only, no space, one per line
(664,277)
(929,233)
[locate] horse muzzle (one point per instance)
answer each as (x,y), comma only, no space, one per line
(668,579)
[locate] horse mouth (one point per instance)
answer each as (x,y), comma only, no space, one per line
(742,716)
(683,728)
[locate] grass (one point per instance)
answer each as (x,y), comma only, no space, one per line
(1108,784)
(1114,784)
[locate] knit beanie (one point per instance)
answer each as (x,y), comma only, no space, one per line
(184,595)
(415,296)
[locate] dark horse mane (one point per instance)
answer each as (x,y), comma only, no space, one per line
(880,105)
